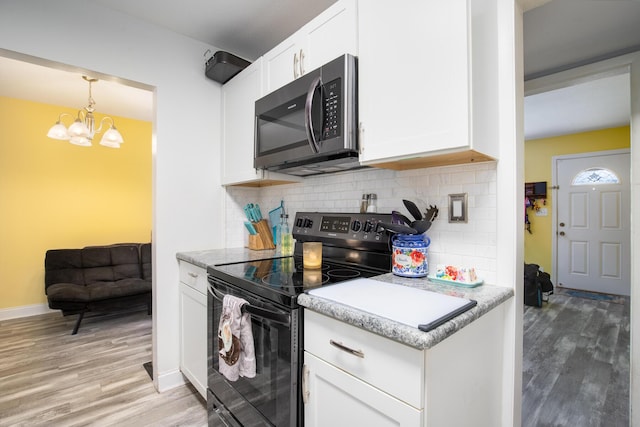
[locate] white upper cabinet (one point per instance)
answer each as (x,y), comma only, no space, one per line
(238,105)
(428,83)
(421,73)
(329,35)
(238,98)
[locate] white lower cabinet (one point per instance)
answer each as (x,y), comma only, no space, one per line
(337,398)
(193,325)
(353,377)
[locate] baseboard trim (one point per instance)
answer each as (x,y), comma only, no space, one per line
(24,311)
(168,380)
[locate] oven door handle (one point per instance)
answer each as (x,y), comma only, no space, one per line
(255,311)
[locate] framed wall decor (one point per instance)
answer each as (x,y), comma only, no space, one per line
(458,207)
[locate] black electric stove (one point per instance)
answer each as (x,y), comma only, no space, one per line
(353,246)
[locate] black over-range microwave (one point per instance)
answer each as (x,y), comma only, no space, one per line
(310,125)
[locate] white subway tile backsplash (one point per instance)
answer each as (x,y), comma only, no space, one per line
(467,177)
(471,244)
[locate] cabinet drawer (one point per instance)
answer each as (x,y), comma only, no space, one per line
(388,365)
(194,276)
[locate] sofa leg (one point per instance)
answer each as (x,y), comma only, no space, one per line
(77,326)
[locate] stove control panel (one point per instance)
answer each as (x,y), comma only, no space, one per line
(341,228)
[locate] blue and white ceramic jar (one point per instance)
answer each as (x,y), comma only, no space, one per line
(409,258)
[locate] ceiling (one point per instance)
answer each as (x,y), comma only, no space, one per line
(563,34)
(558,34)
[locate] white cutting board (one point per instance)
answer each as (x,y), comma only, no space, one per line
(402,304)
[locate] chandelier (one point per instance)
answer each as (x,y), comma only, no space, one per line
(82,130)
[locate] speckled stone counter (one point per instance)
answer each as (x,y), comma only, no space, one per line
(487,297)
(213,257)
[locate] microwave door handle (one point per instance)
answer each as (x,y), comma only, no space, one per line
(308,118)
(255,311)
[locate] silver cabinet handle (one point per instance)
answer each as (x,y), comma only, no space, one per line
(301,62)
(305,384)
(360,138)
(194,275)
(295,65)
(349,350)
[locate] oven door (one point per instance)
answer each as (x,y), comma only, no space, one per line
(272,396)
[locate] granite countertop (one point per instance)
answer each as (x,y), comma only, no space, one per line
(211,257)
(487,296)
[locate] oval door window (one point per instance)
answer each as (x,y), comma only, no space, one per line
(595,176)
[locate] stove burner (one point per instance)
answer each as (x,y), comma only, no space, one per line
(343,273)
(300,267)
(306,278)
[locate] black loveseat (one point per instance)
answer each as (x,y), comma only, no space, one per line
(97,278)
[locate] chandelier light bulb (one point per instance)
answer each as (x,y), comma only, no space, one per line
(82,130)
(58,131)
(82,141)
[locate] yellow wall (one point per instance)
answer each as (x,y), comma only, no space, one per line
(537,155)
(57,195)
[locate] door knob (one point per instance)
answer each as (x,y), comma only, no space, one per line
(561,233)
(562,224)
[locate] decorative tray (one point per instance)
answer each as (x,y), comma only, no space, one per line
(455,282)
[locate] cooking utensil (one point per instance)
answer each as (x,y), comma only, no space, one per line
(248,213)
(421,226)
(398,218)
(413,209)
(431,213)
(398,228)
(250,228)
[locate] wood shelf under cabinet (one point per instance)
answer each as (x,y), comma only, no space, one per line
(447,159)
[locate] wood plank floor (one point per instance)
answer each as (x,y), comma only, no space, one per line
(49,377)
(575,370)
(576,362)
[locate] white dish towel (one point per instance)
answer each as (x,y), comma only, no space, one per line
(235,340)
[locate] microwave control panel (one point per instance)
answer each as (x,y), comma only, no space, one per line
(332,94)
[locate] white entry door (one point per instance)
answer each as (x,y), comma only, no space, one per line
(593,222)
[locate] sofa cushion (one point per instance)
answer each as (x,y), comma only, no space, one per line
(63,266)
(125,287)
(145,259)
(109,263)
(67,292)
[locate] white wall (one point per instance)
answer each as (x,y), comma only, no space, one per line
(472,243)
(187,213)
(635,238)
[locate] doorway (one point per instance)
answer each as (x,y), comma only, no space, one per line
(628,65)
(592,239)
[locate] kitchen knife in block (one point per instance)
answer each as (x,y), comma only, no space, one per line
(262,227)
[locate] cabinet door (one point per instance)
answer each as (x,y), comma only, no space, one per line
(238,108)
(327,36)
(282,63)
(414,94)
(193,337)
(332,33)
(338,399)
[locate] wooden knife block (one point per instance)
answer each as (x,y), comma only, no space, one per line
(264,239)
